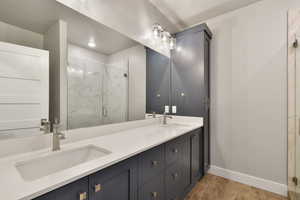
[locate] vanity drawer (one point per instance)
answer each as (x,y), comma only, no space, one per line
(173,177)
(174,150)
(153,189)
(76,190)
(151,163)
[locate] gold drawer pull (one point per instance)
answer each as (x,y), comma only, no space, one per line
(154,163)
(175,175)
(83,196)
(154,194)
(97,188)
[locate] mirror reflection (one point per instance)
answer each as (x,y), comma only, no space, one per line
(60,66)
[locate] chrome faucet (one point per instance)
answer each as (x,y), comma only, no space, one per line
(165,116)
(153,115)
(45,126)
(57,136)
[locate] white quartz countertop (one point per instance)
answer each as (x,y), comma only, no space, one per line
(121,144)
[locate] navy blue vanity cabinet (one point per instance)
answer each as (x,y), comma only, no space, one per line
(151,164)
(158,82)
(197,156)
(165,172)
(77,190)
(151,174)
(153,189)
(177,172)
(183,80)
(118,182)
(190,63)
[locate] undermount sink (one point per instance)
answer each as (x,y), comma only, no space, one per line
(31,170)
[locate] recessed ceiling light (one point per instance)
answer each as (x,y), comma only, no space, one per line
(92,44)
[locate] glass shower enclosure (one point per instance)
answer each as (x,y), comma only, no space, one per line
(97,92)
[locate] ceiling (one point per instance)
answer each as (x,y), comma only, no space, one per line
(39,15)
(186,13)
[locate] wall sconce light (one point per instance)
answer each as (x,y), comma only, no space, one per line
(163,36)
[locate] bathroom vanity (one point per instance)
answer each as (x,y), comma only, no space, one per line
(142,160)
(167,171)
(78,132)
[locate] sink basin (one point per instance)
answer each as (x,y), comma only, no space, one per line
(31,170)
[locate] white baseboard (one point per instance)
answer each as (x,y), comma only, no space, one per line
(260,183)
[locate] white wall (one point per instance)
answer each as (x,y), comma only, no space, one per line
(16,35)
(249,90)
(75,51)
(55,40)
(133,18)
(136,57)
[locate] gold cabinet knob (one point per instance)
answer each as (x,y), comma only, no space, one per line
(97,188)
(83,196)
(154,194)
(175,150)
(154,163)
(175,175)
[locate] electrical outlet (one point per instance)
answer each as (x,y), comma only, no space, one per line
(174,109)
(167,109)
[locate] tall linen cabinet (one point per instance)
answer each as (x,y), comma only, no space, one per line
(190,63)
(183,80)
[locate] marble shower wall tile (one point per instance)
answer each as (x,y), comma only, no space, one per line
(85,87)
(97,90)
(116,92)
(85,91)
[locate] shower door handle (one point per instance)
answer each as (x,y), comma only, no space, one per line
(104,111)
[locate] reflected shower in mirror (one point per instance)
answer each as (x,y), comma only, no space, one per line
(98,88)
(63,65)
(106,74)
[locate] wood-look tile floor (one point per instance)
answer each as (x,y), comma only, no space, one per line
(217,188)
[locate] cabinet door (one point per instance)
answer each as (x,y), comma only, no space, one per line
(188,85)
(196,140)
(77,190)
(177,174)
(151,163)
(158,82)
(153,189)
(115,183)
(207,105)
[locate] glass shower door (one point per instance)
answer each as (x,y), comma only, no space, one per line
(85,91)
(116,92)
